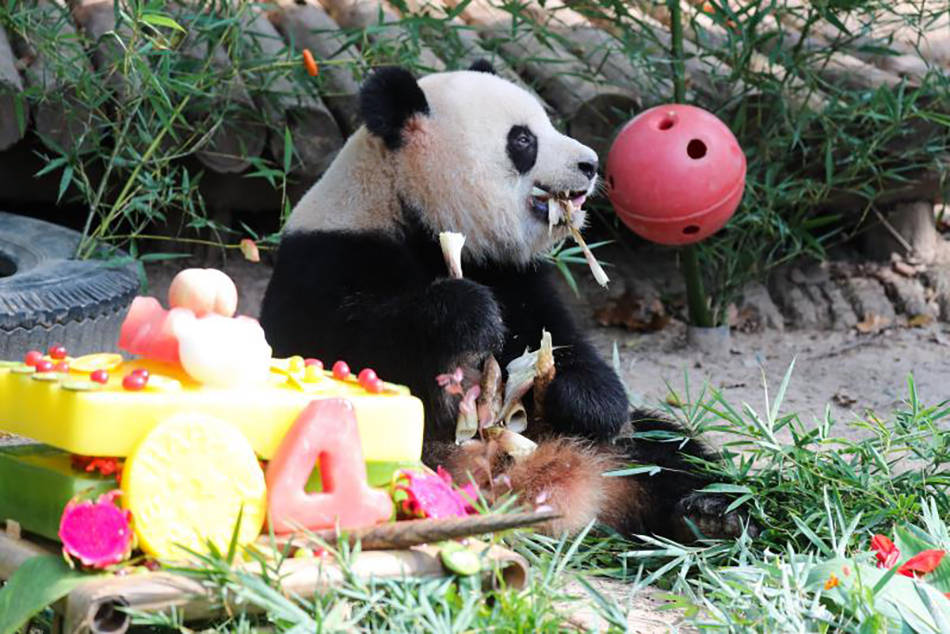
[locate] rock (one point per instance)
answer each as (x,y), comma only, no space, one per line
(867,297)
(798,303)
(938,279)
(842,314)
(914,222)
(906,293)
(757,306)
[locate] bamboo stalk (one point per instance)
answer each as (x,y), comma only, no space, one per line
(315,135)
(12,128)
(304,24)
(404,534)
(469,45)
(592,110)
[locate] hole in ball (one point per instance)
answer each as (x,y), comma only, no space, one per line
(665,123)
(610,181)
(691,229)
(696,149)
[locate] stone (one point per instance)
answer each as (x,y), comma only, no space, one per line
(907,293)
(938,281)
(867,297)
(842,314)
(756,298)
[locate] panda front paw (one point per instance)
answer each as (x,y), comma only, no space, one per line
(464,317)
(588,401)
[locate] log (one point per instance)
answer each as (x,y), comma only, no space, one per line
(363,14)
(304,24)
(874,34)
(97,20)
(463,44)
(60,115)
(96,606)
(711,36)
(591,110)
(12,100)
(239,135)
(315,135)
(835,68)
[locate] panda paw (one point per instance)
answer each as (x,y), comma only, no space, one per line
(586,401)
(464,317)
(707,513)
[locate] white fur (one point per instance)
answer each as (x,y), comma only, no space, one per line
(454,168)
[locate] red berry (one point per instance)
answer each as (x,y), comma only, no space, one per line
(99,376)
(309,362)
(142,372)
(375,385)
(62,366)
(31,357)
(44,365)
(134,382)
(57,351)
(341,370)
(366,375)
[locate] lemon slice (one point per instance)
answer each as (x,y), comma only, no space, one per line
(186,484)
(98,361)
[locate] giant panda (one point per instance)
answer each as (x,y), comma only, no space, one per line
(359,275)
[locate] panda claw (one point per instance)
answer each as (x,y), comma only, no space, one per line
(707,513)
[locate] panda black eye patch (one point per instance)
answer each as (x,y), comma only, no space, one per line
(522,148)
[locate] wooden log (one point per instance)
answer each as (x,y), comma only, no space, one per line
(712,37)
(14,108)
(97,20)
(462,44)
(232,140)
(304,24)
(363,14)
(97,605)
(835,68)
(314,132)
(591,110)
(61,116)
(862,41)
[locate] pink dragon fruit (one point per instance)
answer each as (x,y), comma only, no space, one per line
(98,534)
(433,496)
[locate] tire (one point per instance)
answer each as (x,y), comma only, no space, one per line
(47,297)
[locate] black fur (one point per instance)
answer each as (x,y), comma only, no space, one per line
(522,148)
(388,99)
(482,66)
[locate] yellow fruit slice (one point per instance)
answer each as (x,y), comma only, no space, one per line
(186,483)
(98,361)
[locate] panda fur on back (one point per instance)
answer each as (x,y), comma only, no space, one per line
(360,276)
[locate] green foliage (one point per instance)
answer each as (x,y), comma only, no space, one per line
(37,583)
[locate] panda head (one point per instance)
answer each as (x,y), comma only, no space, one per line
(470,152)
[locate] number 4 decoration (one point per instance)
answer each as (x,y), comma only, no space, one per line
(325,434)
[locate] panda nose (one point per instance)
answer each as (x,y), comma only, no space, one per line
(587,168)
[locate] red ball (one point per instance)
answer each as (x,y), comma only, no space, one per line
(99,376)
(62,366)
(675,174)
(366,375)
(341,371)
(373,385)
(44,365)
(310,361)
(57,351)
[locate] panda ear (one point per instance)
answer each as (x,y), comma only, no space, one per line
(388,99)
(482,66)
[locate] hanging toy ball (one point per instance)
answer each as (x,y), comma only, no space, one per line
(675,174)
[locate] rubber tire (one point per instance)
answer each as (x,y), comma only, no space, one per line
(48,297)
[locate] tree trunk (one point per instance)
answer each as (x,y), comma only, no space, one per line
(12,100)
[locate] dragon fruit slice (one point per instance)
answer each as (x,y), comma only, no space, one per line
(98,534)
(433,496)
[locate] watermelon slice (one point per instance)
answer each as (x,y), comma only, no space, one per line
(149,330)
